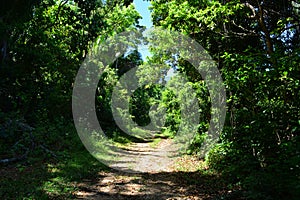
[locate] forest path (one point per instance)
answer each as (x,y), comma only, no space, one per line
(158,175)
(149,157)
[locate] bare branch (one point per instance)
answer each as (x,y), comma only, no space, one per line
(244,29)
(254,14)
(14,159)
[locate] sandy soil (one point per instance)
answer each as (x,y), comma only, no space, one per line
(156,173)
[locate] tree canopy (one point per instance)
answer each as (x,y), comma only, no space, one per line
(254,43)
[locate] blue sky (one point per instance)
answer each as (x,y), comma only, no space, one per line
(142,8)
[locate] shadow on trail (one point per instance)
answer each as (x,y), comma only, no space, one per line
(156,186)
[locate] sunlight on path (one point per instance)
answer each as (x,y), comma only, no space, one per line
(142,157)
(157,171)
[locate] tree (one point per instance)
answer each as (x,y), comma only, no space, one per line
(43,43)
(253,43)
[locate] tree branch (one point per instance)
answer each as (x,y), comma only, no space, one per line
(254,14)
(262,24)
(244,29)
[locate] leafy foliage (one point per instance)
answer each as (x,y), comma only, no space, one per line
(42,46)
(253,43)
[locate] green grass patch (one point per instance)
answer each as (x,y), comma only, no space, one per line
(155,142)
(43,177)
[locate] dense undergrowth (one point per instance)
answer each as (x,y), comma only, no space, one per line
(255,45)
(50,174)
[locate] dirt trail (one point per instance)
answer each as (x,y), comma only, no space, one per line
(158,175)
(144,157)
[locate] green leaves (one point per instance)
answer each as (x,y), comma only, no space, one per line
(256,45)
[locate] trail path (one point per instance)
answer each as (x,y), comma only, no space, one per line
(157,175)
(144,157)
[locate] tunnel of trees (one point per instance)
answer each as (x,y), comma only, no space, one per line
(255,43)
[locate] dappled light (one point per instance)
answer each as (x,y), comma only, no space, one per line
(150,99)
(159,185)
